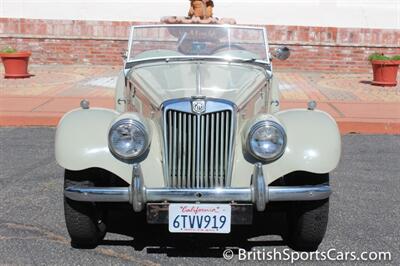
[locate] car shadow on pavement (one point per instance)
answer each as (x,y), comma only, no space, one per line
(266,230)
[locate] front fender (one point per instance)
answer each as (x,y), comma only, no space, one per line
(313,143)
(82,142)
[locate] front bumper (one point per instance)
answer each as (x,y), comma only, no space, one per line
(258,193)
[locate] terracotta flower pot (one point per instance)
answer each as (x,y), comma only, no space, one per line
(385,72)
(16,64)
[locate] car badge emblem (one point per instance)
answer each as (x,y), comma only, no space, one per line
(199,106)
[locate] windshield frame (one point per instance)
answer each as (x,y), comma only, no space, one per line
(129,62)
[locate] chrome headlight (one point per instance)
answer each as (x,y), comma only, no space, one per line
(128,139)
(266,141)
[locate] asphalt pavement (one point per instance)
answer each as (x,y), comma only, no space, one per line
(364,212)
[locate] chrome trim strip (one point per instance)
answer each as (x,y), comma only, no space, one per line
(129,48)
(200,25)
(260,63)
(137,193)
(206,170)
(217,140)
(266,44)
(201,150)
(169,144)
(121,194)
(174,144)
(227,156)
(212,153)
(232,141)
(97,194)
(190,159)
(197,137)
(221,148)
(195,154)
(198,79)
(299,193)
(199,195)
(185,104)
(179,144)
(184,154)
(259,189)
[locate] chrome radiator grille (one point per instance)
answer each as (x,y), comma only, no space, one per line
(198,146)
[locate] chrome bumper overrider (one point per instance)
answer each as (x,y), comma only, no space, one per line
(138,195)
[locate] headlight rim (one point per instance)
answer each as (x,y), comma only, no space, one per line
(140,126)
(258,125)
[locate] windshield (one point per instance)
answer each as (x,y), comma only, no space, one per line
(197,40)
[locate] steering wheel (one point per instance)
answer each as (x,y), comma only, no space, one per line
(224,46)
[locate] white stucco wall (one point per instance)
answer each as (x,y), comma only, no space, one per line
(336,13)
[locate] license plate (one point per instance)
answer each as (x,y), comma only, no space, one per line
(199,218)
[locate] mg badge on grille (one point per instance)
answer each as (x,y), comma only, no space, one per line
(199,106)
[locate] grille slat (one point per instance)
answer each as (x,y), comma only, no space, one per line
(212,152)
(202,174)
(169,147)
(179,157)
(184,154)
(194,159)
(199,148)
(221,148)
(174,153)
(189,172)
(217,151)
(206,174)
(227,127)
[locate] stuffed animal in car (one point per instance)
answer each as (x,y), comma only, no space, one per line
(200,12)
(201,8)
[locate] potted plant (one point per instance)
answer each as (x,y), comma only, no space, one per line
(385,69)
(15,63)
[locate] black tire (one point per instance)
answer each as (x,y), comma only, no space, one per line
(84,220)
(307,220)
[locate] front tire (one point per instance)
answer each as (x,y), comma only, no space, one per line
(84,220)
(307,220)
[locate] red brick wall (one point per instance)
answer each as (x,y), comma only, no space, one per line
(333,49)
(101,42)
(69,51)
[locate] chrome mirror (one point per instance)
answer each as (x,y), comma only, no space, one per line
(281,53)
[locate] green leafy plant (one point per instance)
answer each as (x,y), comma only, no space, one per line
(8,50)
(378,56)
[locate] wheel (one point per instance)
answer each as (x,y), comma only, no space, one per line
(307,220)
(84,220)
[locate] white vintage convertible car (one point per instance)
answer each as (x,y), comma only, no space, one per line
(197,140)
